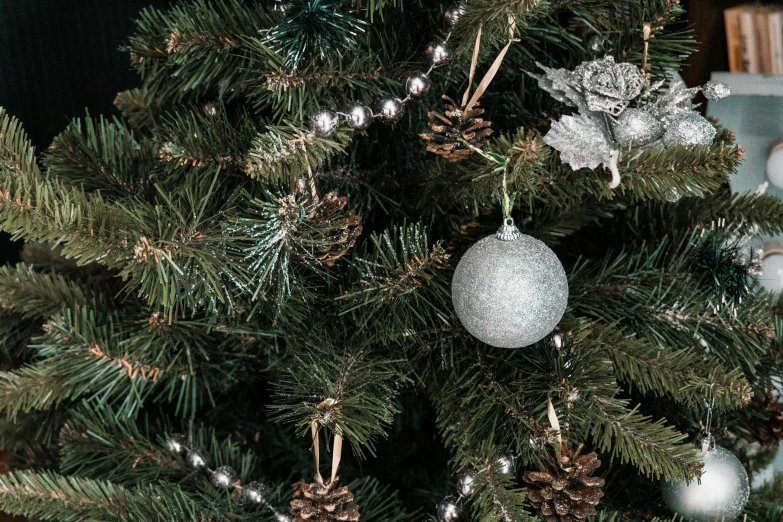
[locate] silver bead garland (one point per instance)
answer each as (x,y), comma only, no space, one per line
(450,508)
(358,116)
(225,477)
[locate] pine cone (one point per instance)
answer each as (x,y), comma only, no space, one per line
(345,228)
(445,140)
(566,491)
(323,503)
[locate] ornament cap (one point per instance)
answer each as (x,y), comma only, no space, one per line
(705,442)
(508,231)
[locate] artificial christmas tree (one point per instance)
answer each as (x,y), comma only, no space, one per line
(245,257)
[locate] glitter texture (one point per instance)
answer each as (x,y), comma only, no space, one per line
(637,128)
(690,129)
(722,494)
(715,90)
(509,294)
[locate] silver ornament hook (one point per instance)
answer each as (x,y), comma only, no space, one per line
(707,440)
(508,231)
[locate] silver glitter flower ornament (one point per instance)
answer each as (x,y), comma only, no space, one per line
(608,86)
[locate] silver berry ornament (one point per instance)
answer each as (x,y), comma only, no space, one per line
(465,483)
(720,494)
(448,510)
(195,459)
(637,128)
(715,90)
(176,444)
(391,110)
(282,517)
(509,292)
(359,116)
(439,53)
(256,492)
(689,129)
(224,476)
(324,122)
(417,85)
(453,13)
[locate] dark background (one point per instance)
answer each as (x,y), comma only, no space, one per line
(60,57)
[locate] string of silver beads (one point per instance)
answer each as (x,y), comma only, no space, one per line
(224,477)
(325,121)
(450,508)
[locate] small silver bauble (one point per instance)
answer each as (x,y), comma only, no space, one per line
(557,341)
(439,53)
(465,483)
(417,85)
(689,129)
(635,127)
(453,12)
(282,517)
(721,495)
(506,464)
(176,443)
(391,109)
(256,492)
(224,476)
(448,510)
(715,90)
(509,292)
(596,44)
(324,122)
(195,459)
(359,116)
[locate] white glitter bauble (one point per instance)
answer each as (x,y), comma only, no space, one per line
(635,127)
(689,129)
(509,292)
(722,494)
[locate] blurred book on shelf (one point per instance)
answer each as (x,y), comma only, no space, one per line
(754,36)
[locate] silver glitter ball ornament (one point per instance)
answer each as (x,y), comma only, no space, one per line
(195,459)
(689,129)
(391,109)
(721,495)
(359,116)
(282,517)
(176,444)
(324,122)
(224,476)
(256,492)
(596,44)
(439,53)
(417,85)
(637,128)
(448,510)
(509,293)
(453,13)
(465,483)
(715,90)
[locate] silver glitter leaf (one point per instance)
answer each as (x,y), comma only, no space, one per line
(715,90)
(673,103)
(558,83)
(581,142)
